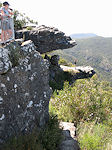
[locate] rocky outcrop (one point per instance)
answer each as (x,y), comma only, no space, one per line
(24,89)
(69,142)
(60,73)
(84,71)
(46,38)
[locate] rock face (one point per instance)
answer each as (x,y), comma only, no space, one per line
(24,89)
(69,142)
(46,38)
(60,73)
(5,63)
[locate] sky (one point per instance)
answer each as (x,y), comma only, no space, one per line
(69,16)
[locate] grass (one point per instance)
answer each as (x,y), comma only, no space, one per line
(94,136)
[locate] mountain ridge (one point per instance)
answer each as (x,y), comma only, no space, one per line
(95,51)
(82,35)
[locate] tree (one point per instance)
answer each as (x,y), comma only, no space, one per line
(20,20)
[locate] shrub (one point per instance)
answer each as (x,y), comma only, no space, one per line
(64,62)
(24,142)
(87,103)
(51,136)
(29,28)
(95,136)
(87,99)
(14,55)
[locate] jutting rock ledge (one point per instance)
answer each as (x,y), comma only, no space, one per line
(46,38)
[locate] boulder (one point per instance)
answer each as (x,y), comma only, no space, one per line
(24,89)
(46,38)
(69,137)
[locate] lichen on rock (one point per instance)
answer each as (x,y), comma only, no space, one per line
(24,90)
(46,38)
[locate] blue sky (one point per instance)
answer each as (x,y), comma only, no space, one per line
(70,16)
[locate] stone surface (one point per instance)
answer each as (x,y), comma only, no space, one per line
(24,90)
(5,63)
(54,60)
(46,38)
(69,126)
(81,71)
(69,142)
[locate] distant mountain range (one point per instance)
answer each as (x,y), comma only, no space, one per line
(82,35)
(95,51)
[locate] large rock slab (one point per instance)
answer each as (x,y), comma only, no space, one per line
(24,90)
(46,38)
(69,137)
(81,71)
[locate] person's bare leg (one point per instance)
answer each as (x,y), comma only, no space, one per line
(2,35)
(5,36)
(10,33)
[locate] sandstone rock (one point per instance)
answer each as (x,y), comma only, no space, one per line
(24,90)
(69,126)
(69,142)
(46,38)
(80,71)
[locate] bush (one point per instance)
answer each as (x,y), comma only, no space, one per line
(29,28)
(64,62)
(87,99)
(24,142)
(15,55)
(52,135)
(95,137)
(87,103)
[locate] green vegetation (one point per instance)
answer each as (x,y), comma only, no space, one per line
(20,20)
(29,28)
(24,142)
(64,62)
(86,94)
(51,136)
(94,136)
(14,55)
(45,139)
(96,52)
(88,102)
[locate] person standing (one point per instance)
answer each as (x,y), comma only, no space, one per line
(6,31)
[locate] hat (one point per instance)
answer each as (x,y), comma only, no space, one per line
(5,3)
